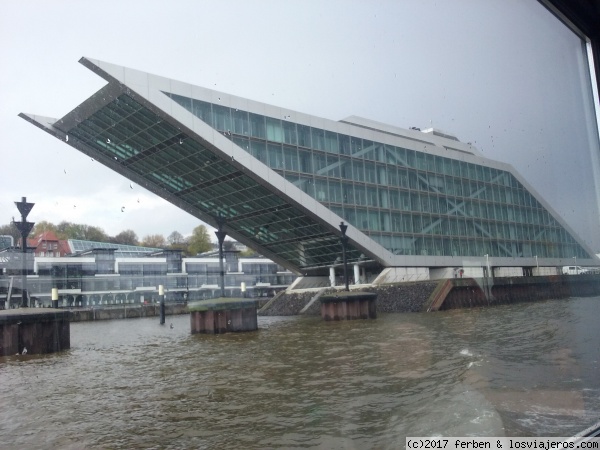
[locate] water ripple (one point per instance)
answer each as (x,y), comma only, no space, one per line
(303,383)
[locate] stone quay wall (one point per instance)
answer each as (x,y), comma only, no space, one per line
(473,292)
(419,296)
(125,312)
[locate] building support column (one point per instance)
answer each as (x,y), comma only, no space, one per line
(356,274)
(221,238)
(344,240)
(331,276)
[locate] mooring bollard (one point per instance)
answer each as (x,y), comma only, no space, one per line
(223,315)
(161,296)
(55,297)
(349,305)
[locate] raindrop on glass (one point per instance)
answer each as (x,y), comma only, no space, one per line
(115,158)
(108,141)
(219,98)
(122,208)
(92,159)
(65,170)
(180,141)
(131,185)
(67,138)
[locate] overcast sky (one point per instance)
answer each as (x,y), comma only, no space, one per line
(502,74)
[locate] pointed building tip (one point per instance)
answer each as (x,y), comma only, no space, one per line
(85,61)
(37,119)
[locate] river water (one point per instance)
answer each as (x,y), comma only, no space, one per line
(516,370)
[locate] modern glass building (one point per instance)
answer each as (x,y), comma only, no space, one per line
(281,181)
(105,276)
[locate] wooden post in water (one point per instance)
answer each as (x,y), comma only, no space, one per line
(55,297)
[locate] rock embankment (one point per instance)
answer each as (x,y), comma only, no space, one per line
(291,303)
(391,298)
(403,297)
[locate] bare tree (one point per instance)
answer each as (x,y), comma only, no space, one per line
(127,237)
(175,238)
(154,240)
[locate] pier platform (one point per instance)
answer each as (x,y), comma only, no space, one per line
(347,305)
(34,331)
(223,315)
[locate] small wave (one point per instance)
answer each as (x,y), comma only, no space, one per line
(465,352)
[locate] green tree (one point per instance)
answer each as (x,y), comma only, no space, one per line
(41,226)
(154,240)
(69,230)
(126,237)
(199,241)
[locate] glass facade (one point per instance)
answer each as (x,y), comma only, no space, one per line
(410,202)
(143,143)
(138,279)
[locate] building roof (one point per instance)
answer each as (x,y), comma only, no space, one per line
(49,236)
(121,250)
(281,181)
(45,236)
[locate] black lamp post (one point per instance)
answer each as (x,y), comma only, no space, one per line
(24,228)
(344,240)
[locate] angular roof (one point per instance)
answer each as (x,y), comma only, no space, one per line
(257,206)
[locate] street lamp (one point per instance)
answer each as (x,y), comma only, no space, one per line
(24,228)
